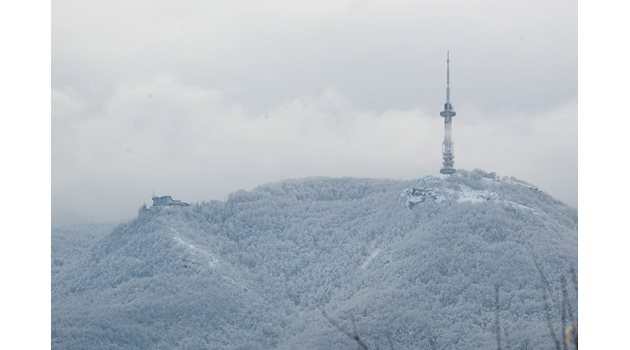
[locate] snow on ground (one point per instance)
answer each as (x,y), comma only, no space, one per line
(196,250)
(369,259)
(432,188)
(466,194)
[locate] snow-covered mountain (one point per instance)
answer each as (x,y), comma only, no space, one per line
(418,260)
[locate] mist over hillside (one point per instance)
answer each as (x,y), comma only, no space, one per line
(418,260)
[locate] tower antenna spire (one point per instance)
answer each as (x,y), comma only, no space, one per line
(448,113)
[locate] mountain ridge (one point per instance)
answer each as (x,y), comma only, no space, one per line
(418,259)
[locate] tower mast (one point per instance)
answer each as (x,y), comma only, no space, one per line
(448,113)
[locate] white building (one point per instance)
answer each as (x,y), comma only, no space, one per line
(164,201)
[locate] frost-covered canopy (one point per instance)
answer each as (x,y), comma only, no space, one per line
(417,259)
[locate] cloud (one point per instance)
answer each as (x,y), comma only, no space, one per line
(514,55)
(197,144)
(200,98)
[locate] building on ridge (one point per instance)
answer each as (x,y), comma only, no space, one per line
(165,201)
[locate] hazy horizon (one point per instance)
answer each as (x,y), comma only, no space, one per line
(200,99)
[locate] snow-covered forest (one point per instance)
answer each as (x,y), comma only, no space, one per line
(414,262)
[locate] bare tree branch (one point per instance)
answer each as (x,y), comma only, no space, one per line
(391,342)
(563,306)
(354,336)
(546,294)
(497,316)
(507,338)
(574,321)
(574,279)
(432,343)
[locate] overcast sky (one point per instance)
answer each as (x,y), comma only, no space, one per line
(198,99)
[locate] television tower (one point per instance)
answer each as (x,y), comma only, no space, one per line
(448,113)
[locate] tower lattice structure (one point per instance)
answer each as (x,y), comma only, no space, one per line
(448,156)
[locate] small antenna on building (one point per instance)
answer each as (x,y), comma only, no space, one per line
(448,76)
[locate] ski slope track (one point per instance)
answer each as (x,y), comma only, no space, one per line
(418,260)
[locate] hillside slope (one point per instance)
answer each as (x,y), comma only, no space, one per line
(416,259)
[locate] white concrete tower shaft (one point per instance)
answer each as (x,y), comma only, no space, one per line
(448,157)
